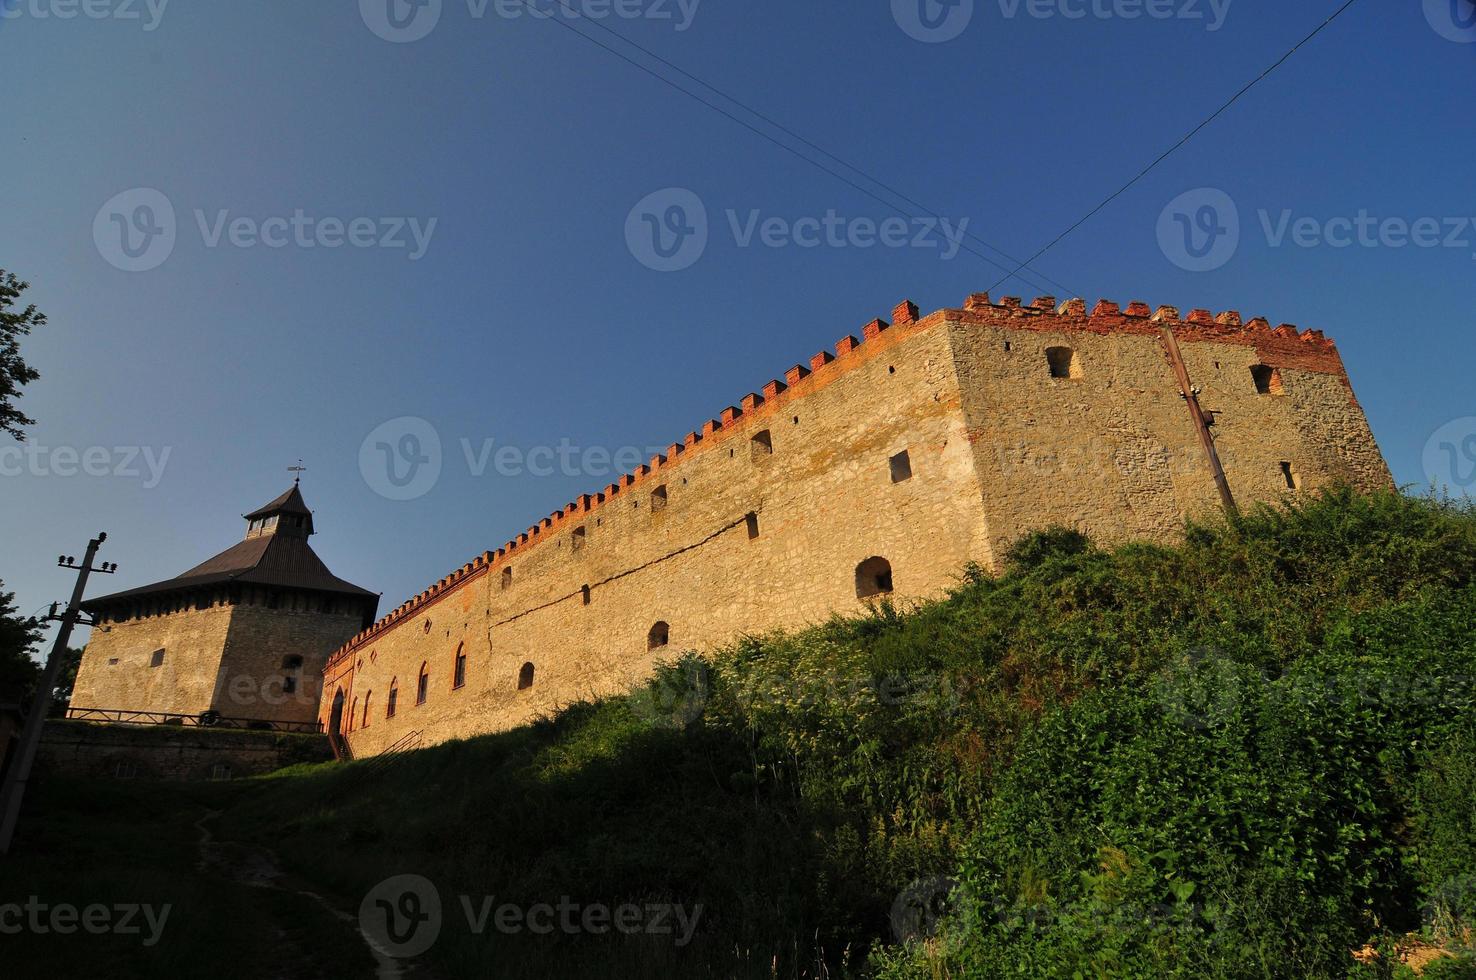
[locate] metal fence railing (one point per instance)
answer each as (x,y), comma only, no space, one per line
(203,719)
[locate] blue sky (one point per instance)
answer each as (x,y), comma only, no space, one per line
(525,315)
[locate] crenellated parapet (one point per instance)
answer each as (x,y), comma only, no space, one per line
(1284,346)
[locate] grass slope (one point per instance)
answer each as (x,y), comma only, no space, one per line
(1247,755)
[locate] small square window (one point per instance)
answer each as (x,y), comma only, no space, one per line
(156,659)
(901,466)
(1063,362)
(1267,380)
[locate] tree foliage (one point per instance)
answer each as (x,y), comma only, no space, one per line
(15,323)
(18,637)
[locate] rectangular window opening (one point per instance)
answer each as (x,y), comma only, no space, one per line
(901,467)
(1267,379)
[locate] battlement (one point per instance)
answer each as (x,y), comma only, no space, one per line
(1282,347)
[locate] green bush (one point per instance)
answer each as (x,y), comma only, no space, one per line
(1246,755)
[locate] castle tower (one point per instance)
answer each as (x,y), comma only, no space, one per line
(244,634)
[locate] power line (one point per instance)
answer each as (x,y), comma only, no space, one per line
(1185,139)
(1019,267)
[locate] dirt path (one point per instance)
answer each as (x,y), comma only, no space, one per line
(257,867)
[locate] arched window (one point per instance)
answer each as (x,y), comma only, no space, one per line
(422,686)
(525,677)
(335,716)
(1063,362)
(506,576)
(659,636)
(394,696)
(458,677)
(364,723)
(873,577)
(353,713)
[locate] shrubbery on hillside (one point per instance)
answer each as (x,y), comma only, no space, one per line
(1247,755)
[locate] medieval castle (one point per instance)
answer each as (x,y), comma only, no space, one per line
(880,470)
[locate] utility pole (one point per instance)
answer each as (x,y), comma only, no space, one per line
(1201,424)
(20,764)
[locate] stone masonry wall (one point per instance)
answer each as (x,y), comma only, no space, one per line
(824,501)
(77,748)
(252,675)
(229,658)
(1112,450)
(996,446)
(115,671)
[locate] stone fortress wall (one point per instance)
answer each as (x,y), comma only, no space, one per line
(883,468)
(245,652)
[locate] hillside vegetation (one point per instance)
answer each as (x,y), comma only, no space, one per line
(1252,754)
(1248,755)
